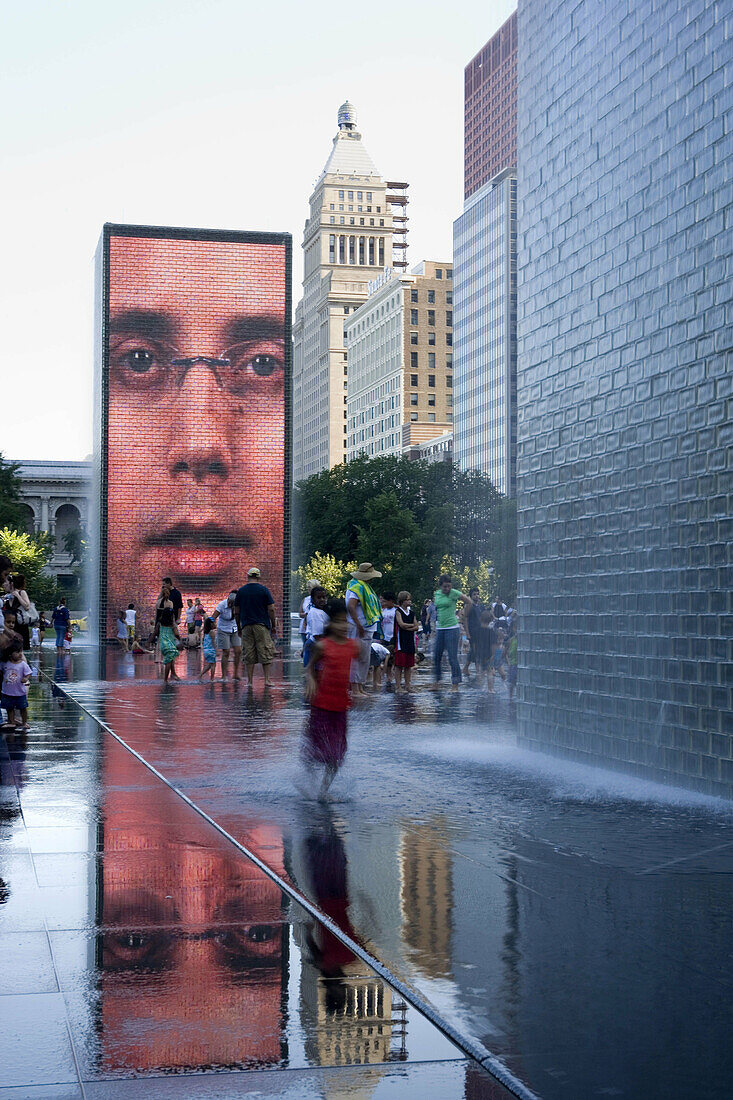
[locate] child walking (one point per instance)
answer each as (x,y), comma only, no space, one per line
(406,627)
(208,650)
(16,677)
(167,640)
(327,689)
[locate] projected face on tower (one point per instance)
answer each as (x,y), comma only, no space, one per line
(196,416)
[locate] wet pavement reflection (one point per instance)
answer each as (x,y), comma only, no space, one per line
(577,925)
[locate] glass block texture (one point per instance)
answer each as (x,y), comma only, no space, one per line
(484,333)
(194,417)
(625,326)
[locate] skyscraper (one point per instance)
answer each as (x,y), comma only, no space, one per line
(400,348)
(346,243)
(624,282)
(490,121)
(485,258)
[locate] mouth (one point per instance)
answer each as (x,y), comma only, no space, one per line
(199,552)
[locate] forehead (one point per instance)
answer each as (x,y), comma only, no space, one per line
(196,276)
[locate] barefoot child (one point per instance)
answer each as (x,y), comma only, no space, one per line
(406,627)
(208,649)
(16,677)
(327,688)
(167,640)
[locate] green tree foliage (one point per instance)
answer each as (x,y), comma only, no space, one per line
(405,517)
(76,544)
(29,555)
(12,512)
(334,575)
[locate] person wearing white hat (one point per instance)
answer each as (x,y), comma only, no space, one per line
(364,612)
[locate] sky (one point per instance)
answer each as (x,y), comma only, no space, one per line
(213,115)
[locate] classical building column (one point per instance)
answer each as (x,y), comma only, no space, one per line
(44,514)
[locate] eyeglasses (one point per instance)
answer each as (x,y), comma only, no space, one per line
(145,366)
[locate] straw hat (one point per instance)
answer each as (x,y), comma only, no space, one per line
(366,572)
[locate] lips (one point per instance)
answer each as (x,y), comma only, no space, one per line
(199,551)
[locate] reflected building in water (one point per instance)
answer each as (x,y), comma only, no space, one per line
(426,895)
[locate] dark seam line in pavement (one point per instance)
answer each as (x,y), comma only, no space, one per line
(681,859)
(469,1046)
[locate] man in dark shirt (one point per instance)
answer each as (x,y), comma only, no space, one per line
(176,598)
(255,610)
(473,622)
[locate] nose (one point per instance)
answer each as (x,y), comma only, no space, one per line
(201,452)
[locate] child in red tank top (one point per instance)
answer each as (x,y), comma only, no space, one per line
(327,689)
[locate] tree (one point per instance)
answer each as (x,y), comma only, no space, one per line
(405,517)
(29,555)
(76,545)
(12,512)
(334,575)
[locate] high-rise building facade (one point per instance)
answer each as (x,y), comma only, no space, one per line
(490,120)
(346,243)
(400,349)
(485,379)
(624,387)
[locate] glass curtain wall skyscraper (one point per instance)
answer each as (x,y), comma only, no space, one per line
(485,346)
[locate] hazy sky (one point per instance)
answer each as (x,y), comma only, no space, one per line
(216,115)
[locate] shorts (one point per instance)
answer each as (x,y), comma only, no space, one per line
(14,702)
(404,660)
(226,641)
(130,631)
(191,628)
(375,661)
(259,648)
(513,674)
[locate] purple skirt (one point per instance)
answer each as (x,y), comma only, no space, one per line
(325,737)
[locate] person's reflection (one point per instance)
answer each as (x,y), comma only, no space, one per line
(191,943)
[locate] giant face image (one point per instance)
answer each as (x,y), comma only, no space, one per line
(196,417)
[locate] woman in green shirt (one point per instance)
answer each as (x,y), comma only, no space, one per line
(448,630)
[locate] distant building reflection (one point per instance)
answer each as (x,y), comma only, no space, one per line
(426,895)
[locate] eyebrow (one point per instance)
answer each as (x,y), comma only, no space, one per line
(263,326)
(157,325)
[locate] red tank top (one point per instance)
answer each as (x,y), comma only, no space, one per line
(332,692)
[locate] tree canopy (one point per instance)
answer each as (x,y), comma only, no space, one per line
(12,512)
(405,517)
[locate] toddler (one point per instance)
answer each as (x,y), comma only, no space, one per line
(16,677)
(208,649)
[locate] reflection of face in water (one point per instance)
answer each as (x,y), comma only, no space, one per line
(191,946)
(196,416)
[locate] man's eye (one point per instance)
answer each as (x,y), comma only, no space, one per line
(139,360)
(264,365)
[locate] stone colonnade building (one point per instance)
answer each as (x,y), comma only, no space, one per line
(56,498)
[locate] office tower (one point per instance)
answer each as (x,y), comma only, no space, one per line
(490,129)
(485,255)
(624,284)
(347,242)
(400,348)
(485,276)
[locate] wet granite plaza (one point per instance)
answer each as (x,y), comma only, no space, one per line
(504,908)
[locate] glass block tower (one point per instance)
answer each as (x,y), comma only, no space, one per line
(625,328)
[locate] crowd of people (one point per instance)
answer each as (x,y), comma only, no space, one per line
(392,638)
(242,625)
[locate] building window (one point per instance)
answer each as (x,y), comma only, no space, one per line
(381,251)
(439,273)
(449,361)
(449,400)
(431,296)
(413,417)
(350,208)
(431,418)
(449,273)
(352,221)
(361,251)
(449,381)
(449,339)
(413,337)
(341,195)
(413,399)
(449,317)
(431,381)
(413,316)
(332,207)
(359,195)
(369,196)
(431,399)
(342,248)
(341,206)
(352,250)
(413,358)
(346,309)
(361,221)
(342,220)
(371,221)
(413,296)
(431,339)
(351,196)
(331,249)
(449,297)
(431,317)
(431,360)
(413,379)
(332,219)
(381,221)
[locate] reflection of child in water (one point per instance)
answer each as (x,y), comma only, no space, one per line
(327,688)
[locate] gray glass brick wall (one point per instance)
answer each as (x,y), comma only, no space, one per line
(625,426)
(484,332)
